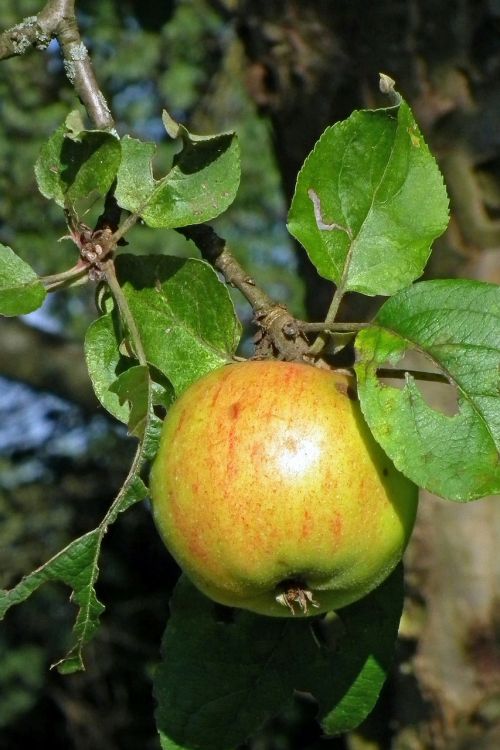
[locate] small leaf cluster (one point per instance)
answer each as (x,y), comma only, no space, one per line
(157,306)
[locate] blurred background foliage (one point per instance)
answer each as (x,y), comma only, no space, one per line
(277,72)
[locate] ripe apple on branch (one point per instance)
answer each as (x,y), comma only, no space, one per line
(270,491)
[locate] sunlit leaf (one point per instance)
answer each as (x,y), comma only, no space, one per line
(369,201)
(456,324)
(201,184)
(105,364)
(135,388)
(184,313)
(74,165)
(21,291)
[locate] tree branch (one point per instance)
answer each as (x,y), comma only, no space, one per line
(215,250)
(57,20)
(280,335)
(79,69)
(33,31)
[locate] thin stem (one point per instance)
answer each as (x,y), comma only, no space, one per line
(57,19)
(65,278)
(321,340)
(331,328)
(33,31)
(79,69)
(337,299)
(279,333)
(214,249)
(125,312)
(129,222)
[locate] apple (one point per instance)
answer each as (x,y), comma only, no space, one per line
(272,495)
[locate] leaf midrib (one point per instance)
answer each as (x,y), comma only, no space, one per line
(351,251)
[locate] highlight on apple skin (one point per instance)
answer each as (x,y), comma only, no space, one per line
(271,493)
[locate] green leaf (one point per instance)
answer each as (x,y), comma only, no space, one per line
(74,165)
(74,566)
(184,314)
(369,201)
(108,368)
(348,681)
(21,292)
(134,387)
(456,325)
(90,164)
(135,182)
(105,364)
(219,682)
(77,566)
(201,184)
(48,167)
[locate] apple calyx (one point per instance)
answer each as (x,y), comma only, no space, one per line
(295,593)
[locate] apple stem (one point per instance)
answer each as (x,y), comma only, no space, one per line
(125,312)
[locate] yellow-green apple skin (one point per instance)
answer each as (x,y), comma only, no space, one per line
(267,477)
